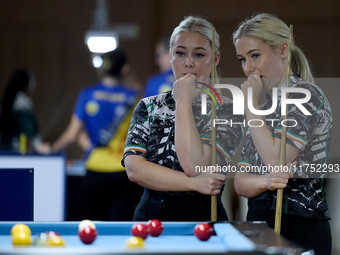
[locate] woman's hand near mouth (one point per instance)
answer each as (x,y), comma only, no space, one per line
(185,89)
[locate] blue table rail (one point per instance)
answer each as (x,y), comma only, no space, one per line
(177,238)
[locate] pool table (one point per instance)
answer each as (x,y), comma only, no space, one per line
(177,238)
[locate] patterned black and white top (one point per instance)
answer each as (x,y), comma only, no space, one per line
(152,130)
(305,194)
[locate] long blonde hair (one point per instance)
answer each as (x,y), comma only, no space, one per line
(273,31)
(201,26)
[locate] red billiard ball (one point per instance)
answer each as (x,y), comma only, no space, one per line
(87,235)
(203,231)
(156,227)
(87,231)
(140,230)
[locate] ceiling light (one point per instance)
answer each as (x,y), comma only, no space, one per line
(102,37)
(100,41)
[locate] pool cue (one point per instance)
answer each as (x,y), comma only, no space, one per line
(23,144)
(213,129)
(279,195)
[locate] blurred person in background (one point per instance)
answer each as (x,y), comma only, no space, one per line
(18,121)
(162,82)
(104,111)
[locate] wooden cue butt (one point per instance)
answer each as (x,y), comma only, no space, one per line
(279,195)
(213,130)
(213,208)
(278,212)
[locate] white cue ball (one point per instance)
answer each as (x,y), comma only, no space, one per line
(85,223)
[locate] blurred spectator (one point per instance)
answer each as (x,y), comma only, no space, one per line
(104,112)
(17,117)
(163,81)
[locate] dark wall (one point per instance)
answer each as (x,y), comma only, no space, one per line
(47,36)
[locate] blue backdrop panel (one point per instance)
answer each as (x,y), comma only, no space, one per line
(16,194)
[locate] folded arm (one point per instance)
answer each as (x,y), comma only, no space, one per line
(156,177)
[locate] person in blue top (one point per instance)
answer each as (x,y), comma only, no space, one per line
(162,82)
(104,111)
